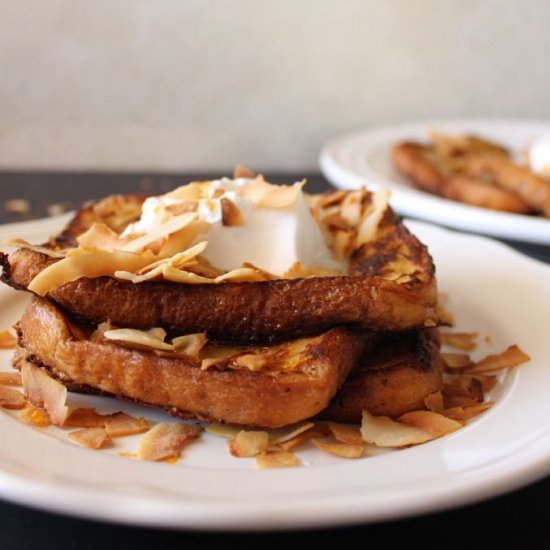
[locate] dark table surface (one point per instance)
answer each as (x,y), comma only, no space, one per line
(516,520)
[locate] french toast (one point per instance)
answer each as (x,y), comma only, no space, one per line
(391,379)
(298,380)
(430,171)
(390,285)
(390,374)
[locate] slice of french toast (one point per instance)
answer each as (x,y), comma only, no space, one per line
(429,170)
(297,380)
(390,285)
(267,386)
(392,379)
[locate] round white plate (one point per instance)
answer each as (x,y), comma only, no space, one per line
(364,159)
(492,290)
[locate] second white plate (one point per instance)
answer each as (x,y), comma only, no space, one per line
(364,159)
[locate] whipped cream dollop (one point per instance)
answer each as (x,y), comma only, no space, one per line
(539,155)
(272,234)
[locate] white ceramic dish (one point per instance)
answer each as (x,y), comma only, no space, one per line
(364,159)
(492,290)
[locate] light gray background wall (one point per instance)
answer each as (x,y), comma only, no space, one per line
(197,84)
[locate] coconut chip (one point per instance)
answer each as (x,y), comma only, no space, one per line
(11,399)
(342,450)
(166,441)
(461,340)
(248,444)
(121,424)
(7,340)
(231,215)
(345,434)
(91,438)
(10,379)
(35,417)
(21,243)
(44,392)
(279,459)
(509,358)
(411,429)
(434,402)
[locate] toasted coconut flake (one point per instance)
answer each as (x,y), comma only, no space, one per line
(345,434)
(298,271)
(461,340)
(173,225)
(382,431)
(279,459)
(331,198)
(11,399)
(101,237)
(462,390)
(190,344)
(336,221)
(7,340)
(300,439)
(292,433)
(44,392)
(35,417)
(343,244)
(262,193)
(137,339)
(463,414)
(214,362)
(56,208)
(85,418)
(342,450)
(253,362)
(157,332)
(248,444)
(10,379)
(17,206)
(241,171)
(456,362)
(488,382)
(21,243)
(90,264)
(91,438)
(433,423)
(509,358)
(223,430)
(372,216)
(350,207)
(231,215)
(121,424)
(434,402)
(166,441)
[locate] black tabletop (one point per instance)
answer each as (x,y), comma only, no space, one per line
(519,519)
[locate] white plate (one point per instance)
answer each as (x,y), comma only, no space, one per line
(364,158)
(493,290)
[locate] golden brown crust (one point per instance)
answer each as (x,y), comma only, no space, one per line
(267,310)
(179,386)
(427,171)
(391,380)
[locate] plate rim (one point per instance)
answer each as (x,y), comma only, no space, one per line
(251,517)
(435,209)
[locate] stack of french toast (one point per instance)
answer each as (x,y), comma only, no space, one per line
(133,300)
